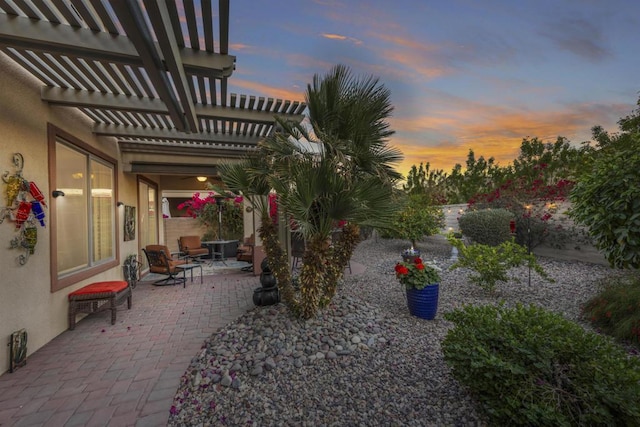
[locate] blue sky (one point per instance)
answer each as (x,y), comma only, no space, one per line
(463,74)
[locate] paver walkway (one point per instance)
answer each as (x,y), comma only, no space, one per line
(126,374)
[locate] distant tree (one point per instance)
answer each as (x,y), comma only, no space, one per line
(431,183)
(542,164)
(606,198)
(479,176)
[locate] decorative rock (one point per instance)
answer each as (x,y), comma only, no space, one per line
(226,381)
(385,357)
(269,364)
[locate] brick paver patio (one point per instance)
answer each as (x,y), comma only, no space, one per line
(126,374)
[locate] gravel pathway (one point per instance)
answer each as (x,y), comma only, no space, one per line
(363,361)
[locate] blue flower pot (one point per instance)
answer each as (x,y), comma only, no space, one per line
(423,303)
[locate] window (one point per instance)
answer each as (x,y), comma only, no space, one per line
(147,200)
(83,221)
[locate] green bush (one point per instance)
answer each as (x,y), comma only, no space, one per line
(616,310)
(486,226)
(491,263)
(417,219)
(528,366)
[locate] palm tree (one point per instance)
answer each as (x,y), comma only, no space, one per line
(349,179)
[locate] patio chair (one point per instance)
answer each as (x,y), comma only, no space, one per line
(160,262)
(192,247)
(245,252)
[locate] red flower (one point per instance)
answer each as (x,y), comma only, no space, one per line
(417,260)
(420,266)
(402,270)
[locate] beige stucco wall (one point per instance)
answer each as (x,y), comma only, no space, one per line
(26,300)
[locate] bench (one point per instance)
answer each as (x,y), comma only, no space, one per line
(97,297)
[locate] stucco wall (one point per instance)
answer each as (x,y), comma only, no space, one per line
(26,300)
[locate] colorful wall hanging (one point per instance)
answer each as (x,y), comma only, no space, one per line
(25,207)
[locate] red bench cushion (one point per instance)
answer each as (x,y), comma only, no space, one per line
(100,287)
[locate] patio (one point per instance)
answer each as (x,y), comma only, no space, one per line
(126,374)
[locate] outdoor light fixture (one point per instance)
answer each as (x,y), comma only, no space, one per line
(201,178)
(57,193)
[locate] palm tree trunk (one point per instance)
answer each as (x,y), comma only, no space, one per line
(342,250)
(278,260)
(312,281)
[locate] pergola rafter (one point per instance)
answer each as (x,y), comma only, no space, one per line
(145,71)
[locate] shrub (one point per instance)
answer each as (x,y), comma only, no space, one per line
(491,263)
(486,226)
(528,366)
(616,310)
(417,219)
(607,201)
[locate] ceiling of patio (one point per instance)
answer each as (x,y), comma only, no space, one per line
(152,75)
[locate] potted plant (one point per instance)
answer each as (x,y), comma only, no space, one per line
(422,286)
(131,270)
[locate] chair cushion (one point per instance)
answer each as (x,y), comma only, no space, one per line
(100,288)
(196,251)
(190,242)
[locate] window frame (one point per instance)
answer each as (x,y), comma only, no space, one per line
(54,134)
(156,232)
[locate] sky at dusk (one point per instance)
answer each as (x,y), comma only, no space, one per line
(463,74)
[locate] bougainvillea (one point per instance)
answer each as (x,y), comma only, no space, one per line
(205,210)
(533,202)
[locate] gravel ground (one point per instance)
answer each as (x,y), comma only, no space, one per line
(363,361)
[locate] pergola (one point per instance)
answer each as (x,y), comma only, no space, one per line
(151,74)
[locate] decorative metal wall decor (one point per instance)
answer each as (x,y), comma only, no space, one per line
(129,223)
(18,350)
(25,203)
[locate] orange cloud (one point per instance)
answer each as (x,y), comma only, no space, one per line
(341,37)
(445,138)
(333,36)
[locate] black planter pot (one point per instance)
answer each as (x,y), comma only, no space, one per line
(262,296)
(264,265)
(267,280)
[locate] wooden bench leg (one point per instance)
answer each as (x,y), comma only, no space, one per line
(72,315)
(114,309)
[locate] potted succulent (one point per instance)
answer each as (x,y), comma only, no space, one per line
(422,286)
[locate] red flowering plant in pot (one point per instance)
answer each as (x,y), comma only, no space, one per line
(416,274)
(422,287)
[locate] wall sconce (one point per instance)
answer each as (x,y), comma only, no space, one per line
(57,193)
(120,204)
(201,178)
